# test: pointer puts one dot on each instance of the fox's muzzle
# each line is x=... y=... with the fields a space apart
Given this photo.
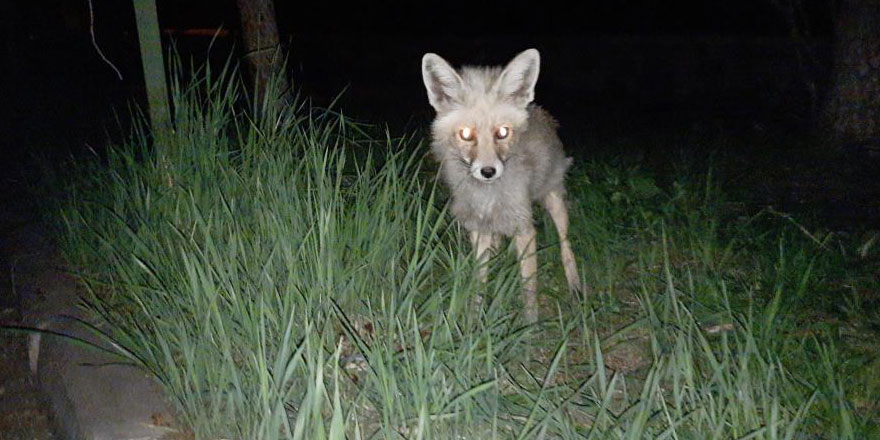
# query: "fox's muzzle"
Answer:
x=487 y=171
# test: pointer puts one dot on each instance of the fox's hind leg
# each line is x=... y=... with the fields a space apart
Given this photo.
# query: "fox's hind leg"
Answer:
x=528 y=268
x=556 y=207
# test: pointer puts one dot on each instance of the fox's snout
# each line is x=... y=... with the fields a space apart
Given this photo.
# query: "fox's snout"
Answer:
x=487 y=171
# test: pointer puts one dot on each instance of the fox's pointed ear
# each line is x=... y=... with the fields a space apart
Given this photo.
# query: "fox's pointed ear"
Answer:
x=441 y=80
x=517 y=81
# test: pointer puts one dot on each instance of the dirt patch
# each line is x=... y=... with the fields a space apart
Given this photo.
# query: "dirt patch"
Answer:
x=24 y=414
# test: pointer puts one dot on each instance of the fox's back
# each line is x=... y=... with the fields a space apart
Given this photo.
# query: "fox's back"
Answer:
x=545 y=157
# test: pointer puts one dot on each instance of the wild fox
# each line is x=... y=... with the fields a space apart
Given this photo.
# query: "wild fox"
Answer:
x=498 y=154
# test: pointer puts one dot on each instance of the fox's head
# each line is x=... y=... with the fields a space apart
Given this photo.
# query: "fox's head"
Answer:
x=480 y=110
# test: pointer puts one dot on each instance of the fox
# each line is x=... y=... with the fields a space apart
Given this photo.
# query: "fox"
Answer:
x=499 y=154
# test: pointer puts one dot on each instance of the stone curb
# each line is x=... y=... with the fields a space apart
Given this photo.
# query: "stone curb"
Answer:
x=92 y=395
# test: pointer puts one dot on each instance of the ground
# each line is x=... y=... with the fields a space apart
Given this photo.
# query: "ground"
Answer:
x=23 y=413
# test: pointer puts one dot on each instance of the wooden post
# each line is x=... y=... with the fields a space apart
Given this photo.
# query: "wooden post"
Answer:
x=153 y=62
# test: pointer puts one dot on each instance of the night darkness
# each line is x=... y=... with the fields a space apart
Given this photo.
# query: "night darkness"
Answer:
x=601 y=59
x=665 y=101
x=609 y=69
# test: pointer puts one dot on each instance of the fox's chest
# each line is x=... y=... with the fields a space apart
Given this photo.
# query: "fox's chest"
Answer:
x=492 y=208
x=485 y=210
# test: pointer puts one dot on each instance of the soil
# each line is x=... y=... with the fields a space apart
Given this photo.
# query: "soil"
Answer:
x=24 y=413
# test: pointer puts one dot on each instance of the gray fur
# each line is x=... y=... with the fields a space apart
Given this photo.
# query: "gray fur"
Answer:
x=534 y=165
x=499 y=153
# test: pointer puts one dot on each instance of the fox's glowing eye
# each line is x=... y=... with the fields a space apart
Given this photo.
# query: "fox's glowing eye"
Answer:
x=466 y=134
x=502 y=132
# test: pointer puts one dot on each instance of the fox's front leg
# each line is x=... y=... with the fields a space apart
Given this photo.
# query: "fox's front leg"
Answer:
x=482 y=243
x=528 y=268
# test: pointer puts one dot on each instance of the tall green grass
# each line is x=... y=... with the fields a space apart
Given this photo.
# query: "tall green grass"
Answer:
x=290 y=276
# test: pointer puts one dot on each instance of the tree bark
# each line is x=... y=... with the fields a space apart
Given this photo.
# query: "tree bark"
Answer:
x=853 y=107
x=259 y=33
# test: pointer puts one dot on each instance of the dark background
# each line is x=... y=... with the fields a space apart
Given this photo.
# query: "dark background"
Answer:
x=670 y=79
x=606 y=66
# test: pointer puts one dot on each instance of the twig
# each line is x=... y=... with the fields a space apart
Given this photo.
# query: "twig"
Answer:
x=820 y=243
x=95 y=43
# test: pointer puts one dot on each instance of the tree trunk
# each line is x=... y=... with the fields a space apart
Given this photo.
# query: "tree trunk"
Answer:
x=259 y=33
x=853 y=107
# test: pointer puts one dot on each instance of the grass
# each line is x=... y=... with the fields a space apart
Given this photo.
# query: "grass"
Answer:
x=291 y=276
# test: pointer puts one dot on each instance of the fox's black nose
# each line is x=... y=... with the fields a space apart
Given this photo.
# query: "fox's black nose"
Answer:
x=487 y=172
